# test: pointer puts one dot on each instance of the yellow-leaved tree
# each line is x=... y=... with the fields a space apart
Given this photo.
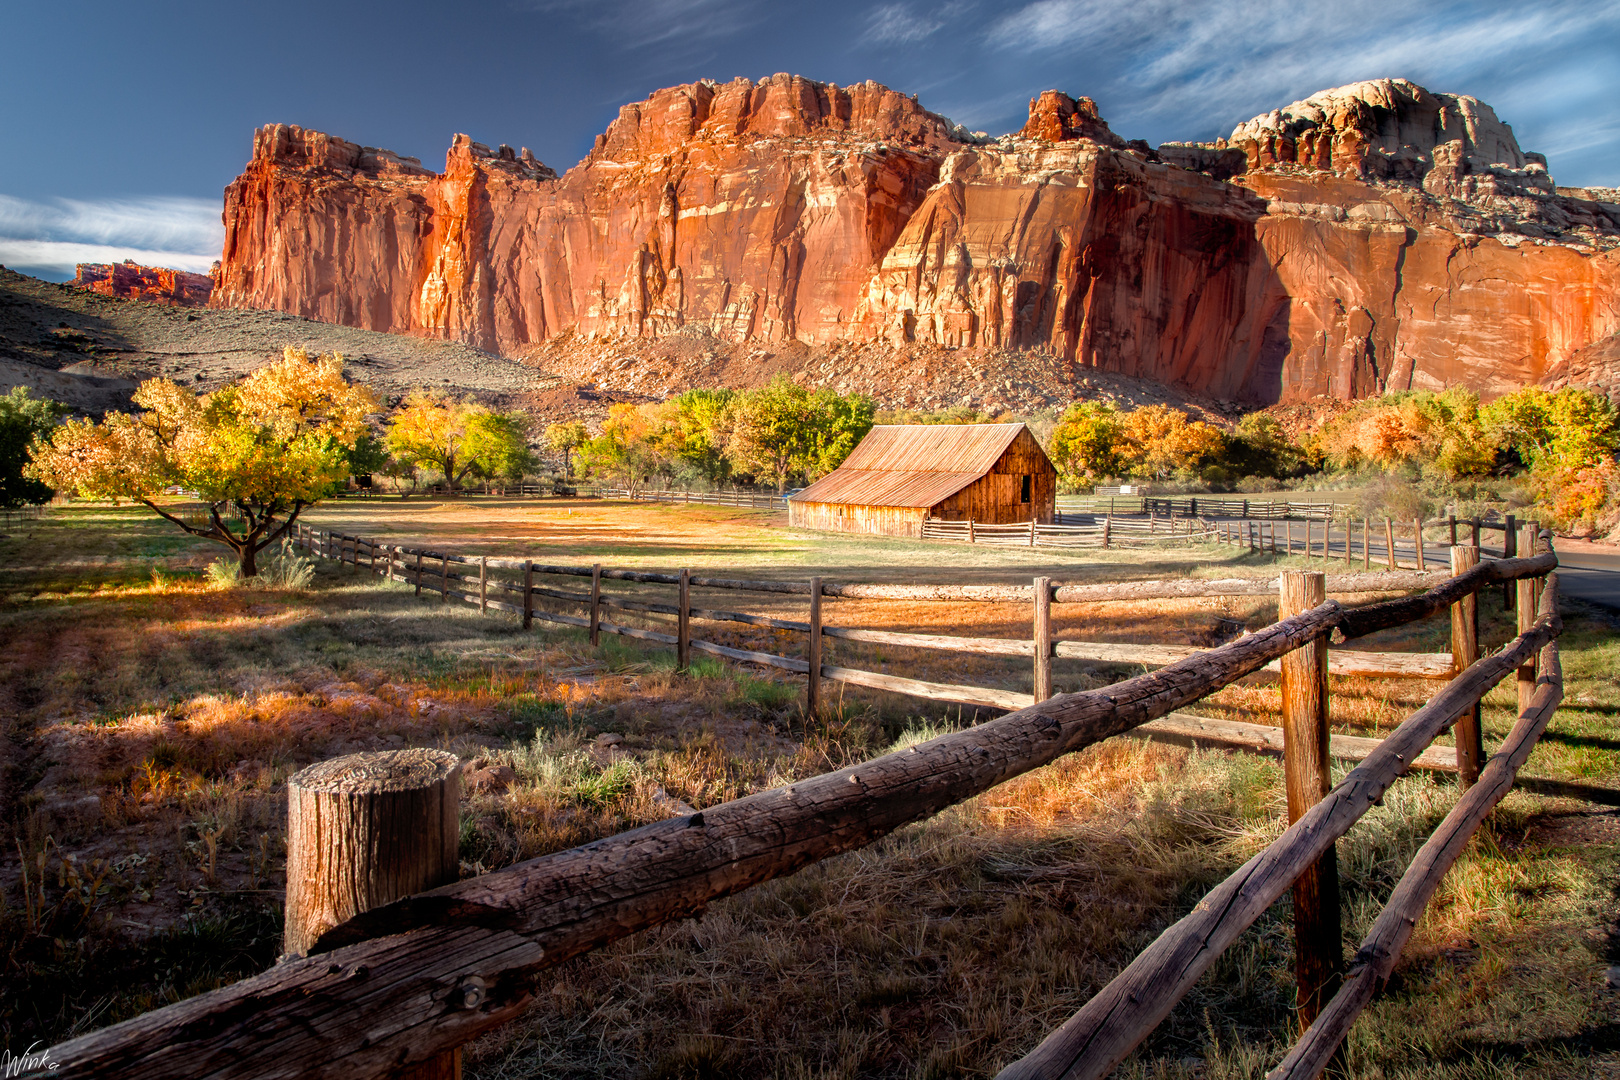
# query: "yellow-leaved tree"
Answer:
x=258 y=452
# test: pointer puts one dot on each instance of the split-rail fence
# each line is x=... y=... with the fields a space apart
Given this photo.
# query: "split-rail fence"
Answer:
x=406 y=982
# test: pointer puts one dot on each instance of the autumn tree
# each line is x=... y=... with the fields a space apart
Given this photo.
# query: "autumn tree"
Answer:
x=23 y=418
x=1572 y=428
x=784 y=431
x=1086 y=442
x=624 y=451
x=1157 y=441
x=458 y=437
x=563 y=438
x=258 y=452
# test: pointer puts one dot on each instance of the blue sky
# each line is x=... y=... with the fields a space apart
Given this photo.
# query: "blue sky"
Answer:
x=125 y=120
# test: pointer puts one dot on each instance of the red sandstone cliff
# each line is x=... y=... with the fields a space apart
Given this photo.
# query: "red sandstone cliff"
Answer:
x=1368 y=238
x=156 y=284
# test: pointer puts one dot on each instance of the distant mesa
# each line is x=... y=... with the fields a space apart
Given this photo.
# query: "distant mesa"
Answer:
x=1368 y=238
x=155 y=284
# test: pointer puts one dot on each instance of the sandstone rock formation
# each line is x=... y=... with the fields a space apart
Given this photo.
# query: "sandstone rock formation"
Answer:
x=157 y=284
x=1367 y=238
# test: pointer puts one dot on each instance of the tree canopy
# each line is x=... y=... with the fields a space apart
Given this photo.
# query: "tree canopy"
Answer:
x=23 y=418
x=257 y=452
x=458 y=437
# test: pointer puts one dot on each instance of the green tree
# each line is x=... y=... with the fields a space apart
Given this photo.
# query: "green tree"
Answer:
x=258 y=452
x=1086 y=442
x=23 y=418
x=431 y=430
x=563 y=438
x=624 y=452
x=368 y=455
x=1572 y=428
x=497 y=446
x=785 y=432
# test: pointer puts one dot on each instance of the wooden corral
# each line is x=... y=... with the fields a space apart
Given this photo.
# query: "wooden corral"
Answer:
x=903 y=474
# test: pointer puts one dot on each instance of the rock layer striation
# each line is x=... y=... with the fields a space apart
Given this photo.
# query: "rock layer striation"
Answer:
x=157 y=284
x=1368 y=238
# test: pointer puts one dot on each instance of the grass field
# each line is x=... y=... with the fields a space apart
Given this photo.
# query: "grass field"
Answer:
x=151 y=722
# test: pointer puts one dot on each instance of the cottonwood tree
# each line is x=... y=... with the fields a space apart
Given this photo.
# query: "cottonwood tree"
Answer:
x=785 y=431
x=23 y=418
x=458 y=437
x=258 y=452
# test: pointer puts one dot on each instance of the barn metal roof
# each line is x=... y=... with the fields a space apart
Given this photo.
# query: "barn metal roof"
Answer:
x=914 y=465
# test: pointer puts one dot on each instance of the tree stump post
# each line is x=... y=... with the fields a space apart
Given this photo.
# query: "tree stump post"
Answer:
x=596 y=603
x=683 y=623
x=1464 y=651
x=366 y=830
x=1043 y=638
x=1318 y=937
x=483 y=584
x=812 y=689
x=1529 y=601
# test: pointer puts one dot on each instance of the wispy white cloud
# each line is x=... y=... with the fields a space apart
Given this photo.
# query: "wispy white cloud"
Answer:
x=898 y=24
x=52 y=237
x=641 y=23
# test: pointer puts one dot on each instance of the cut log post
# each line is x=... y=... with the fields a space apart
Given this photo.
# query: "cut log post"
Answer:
x=418 y=573
x=1510 y=548
x=1528 y=596
x=364 y=831
x=596 y=603
x=1417 y=542
x=1389 y=542
x=1464 y=651
x=444 y=578
x=1366 y=545
x=683 y=623
x=483 y=584
x=812 y=689
x=528 y=595
x=1318 y=944
x=1043 y=638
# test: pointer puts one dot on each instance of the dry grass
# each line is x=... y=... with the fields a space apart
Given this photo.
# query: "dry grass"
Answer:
x=152 y=721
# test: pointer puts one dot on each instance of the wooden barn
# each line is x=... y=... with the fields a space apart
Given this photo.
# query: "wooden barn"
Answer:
x=902 y=474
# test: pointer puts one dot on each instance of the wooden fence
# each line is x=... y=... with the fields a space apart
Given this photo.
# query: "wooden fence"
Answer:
x=755 y=500
x=1278 y=538
x=1072 y=530
x=402 y=983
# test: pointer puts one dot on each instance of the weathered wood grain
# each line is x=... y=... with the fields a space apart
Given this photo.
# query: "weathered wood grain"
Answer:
x=1464 y=651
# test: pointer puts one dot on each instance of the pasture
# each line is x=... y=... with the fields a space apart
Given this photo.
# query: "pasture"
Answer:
x=152 y=721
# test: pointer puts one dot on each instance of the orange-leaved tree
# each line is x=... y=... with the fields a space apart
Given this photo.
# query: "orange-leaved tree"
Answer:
x=258 y=452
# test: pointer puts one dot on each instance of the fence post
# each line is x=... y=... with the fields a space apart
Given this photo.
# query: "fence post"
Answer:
x=1032 y=532
x=1349 y=534
x=1366 y=543
x=1510 y=548
x=1453 y=530
x=596 y=603
x=528 y=594
x=1318 y=944
x=371 y=550
x=418 y=571
x=1389 y=541
x=1108 y=525
x=1043 y=638
x=483 y=584
x=683 y=624
x=1417 y=544
x=970 y=531
x=812 y=686
x=444 y=577
x=1464 y=651
x=1529 y=600
x=1475 y=523
x=366 y=830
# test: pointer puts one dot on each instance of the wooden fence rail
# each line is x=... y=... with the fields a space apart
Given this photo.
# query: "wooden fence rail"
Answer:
x=401 y=983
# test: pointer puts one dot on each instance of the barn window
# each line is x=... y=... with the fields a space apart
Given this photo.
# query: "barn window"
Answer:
x=1024 y=496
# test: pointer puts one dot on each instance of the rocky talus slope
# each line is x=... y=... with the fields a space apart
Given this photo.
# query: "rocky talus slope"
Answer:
x=1376 y=236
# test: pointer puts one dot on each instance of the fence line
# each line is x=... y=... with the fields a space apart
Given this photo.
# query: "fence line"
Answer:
x=401 y=983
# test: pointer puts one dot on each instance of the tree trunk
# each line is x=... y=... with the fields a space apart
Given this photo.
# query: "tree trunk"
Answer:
x=249 y=560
